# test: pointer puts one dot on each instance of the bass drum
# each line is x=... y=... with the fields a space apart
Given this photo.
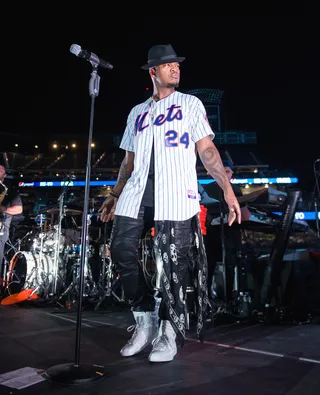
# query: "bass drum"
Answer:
x=25 y=272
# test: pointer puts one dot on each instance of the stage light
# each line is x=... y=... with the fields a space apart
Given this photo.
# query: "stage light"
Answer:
x=54 y=146
x=74 y=145
x=16 y=145
x=36 y=146
x=93 y=145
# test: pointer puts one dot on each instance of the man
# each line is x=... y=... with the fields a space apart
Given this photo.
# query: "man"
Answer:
x=157 y=185
x=10 y=205
x=232 y=236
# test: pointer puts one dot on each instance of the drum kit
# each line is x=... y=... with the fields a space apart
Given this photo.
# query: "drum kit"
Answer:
x=45 y=263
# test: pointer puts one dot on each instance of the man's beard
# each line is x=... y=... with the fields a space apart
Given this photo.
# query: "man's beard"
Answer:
x=173 y=85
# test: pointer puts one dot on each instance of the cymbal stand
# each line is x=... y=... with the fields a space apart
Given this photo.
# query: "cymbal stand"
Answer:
x=104 y=255
x=39 y=279
x=58 y=236
x=108 y=282
x=73 y=287
x=41 y=239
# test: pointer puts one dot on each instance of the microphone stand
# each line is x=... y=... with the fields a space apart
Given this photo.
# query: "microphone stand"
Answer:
x=76 y=373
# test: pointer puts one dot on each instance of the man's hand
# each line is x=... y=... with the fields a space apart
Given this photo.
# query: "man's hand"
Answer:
x=234 y=207
x=108 y=208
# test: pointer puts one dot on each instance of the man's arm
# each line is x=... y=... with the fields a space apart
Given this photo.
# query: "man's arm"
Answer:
x=211 y=160
x=109 y=205
x=14 y=210
x=14 y=206
x=125 y=171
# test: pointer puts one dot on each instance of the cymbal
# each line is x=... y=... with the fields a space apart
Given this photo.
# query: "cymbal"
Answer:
x=66 y=211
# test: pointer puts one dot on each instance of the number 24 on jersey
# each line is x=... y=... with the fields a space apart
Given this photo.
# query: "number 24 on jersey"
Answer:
x=172 y=139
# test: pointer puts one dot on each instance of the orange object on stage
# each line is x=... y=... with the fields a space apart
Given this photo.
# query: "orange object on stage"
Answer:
x=26 y=294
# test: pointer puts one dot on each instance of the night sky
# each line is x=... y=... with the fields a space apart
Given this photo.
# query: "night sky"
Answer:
x=267 y=66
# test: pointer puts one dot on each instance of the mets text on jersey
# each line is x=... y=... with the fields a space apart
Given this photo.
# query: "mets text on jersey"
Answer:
x=160 y=120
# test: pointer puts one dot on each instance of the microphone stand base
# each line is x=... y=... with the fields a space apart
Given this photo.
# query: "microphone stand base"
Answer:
x=71 y=374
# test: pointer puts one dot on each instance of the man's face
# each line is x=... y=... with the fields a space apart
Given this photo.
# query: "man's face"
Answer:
x=168 y=75
x=2 y=173
x=229 y=172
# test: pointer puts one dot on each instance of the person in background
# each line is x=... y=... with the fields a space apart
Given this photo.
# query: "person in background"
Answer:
x=10 y=206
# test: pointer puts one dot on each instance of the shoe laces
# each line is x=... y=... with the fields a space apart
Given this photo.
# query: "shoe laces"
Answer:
x=161 y=341
x=131 y=327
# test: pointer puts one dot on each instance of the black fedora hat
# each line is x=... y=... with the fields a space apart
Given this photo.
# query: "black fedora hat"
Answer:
x=160 y=54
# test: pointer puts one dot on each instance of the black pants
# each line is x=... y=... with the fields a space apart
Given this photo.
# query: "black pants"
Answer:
x=124 y=247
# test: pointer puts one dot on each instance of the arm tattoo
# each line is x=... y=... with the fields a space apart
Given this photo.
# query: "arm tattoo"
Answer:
x=124 y=174
x=211 y=160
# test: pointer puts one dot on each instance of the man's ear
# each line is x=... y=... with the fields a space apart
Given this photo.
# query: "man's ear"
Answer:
x=152 y=72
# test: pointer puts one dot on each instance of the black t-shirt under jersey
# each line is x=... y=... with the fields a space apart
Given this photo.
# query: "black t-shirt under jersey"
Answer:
x=148 y=197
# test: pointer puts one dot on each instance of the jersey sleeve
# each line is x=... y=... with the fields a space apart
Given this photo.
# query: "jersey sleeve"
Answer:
x=127 y=142
x=199 y=123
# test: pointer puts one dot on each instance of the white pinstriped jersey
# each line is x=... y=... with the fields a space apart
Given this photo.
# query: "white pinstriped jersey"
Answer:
x=174 y=124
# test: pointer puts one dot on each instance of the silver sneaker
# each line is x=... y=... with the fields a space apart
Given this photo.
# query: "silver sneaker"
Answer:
x=164 y=345
x=145 y=330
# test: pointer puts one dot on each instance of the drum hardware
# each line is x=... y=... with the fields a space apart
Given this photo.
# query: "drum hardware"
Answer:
x=62 y=214
x=41 y=239
x=26 y=272
x=3 y=193
x=110 y=286
x=109 y=281
x=5 y=266
x=44 y=277
x=72 y=288
x=9 y=248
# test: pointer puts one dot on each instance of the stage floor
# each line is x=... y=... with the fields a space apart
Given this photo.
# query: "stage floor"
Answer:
x=235 y=358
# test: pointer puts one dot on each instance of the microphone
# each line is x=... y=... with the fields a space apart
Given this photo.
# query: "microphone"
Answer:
x=90 y=56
